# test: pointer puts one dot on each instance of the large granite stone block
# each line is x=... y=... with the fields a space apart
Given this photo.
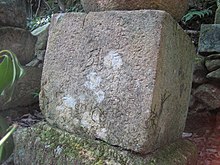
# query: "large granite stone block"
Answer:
x=209 y=40
x=120 y=76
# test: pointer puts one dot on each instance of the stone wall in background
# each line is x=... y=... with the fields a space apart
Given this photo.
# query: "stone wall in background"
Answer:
x=176 y=8
x=16 y=38
x=206 y=81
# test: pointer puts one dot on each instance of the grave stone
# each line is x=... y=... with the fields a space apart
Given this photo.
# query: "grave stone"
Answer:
x=120 y=76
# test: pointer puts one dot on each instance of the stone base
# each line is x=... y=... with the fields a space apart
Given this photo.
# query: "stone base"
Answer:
x=43 y=144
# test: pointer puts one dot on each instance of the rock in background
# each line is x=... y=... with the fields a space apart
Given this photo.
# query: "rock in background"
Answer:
x=206 y=81
x=12 y=13
x=19 y=41
x=16 y=38
x=176 y=8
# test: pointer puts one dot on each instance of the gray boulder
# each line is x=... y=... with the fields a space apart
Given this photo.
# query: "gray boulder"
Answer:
x=13 y=13
x=212 y=62
x=214 y=75
x=209 y=39
x=19 y=41
x=209 y=95
x=199 y=71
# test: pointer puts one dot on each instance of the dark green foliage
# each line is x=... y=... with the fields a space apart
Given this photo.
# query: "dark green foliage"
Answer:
x=196 y=13
x=42 y=14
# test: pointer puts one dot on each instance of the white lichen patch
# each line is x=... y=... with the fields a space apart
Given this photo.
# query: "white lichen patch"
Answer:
x=82 y=98
x=94 y=81
x=86 y=120
x=101 y=133
x=69 y=101
x=113 y=60
x=93 y=84
x=95 y=117
x=75 y=121
x=100 y=95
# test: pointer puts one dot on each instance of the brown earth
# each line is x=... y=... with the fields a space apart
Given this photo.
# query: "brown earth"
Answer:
x=205 y=129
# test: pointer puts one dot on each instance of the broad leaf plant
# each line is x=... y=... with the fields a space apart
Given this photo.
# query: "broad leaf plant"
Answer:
x=10 y=71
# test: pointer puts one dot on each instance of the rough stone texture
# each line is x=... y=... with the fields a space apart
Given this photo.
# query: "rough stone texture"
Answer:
x=199 y=71
x=197 y=105
x=214 y=75
x=212 y=62
x=176 y=8
x=209 y=39
x=217 y=16
x=40 y=54
x=212 y=65
x=120 y=76
x=19 y=41
x=209 y=95
x=42 y=35
x=13 y=13
x=34 y=63
x=213 y=57
x=25 y=88
x=45 y=145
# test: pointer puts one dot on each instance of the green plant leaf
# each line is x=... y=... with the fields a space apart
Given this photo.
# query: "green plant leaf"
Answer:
x=10 y=71
x=195 y=13
x=6 y=140
x=6 y=73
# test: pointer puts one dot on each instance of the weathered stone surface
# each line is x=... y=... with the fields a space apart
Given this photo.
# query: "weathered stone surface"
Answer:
x=212 y=65
x=45 y=145
x=197 y=105
x=209 y=95
x=34 y=63
x=209 y=38
x=213 y=57
x=19 y=41
x=42 y=35
x=25 y=88
x=40 y=54
x=120 y=76
x=215 y=75
x=212 y=62
x=199 y=72
x=176 y=8
x=13 y=13
x=217 y=16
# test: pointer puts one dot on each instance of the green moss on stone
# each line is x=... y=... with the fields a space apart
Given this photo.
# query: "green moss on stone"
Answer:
x=47 y=145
